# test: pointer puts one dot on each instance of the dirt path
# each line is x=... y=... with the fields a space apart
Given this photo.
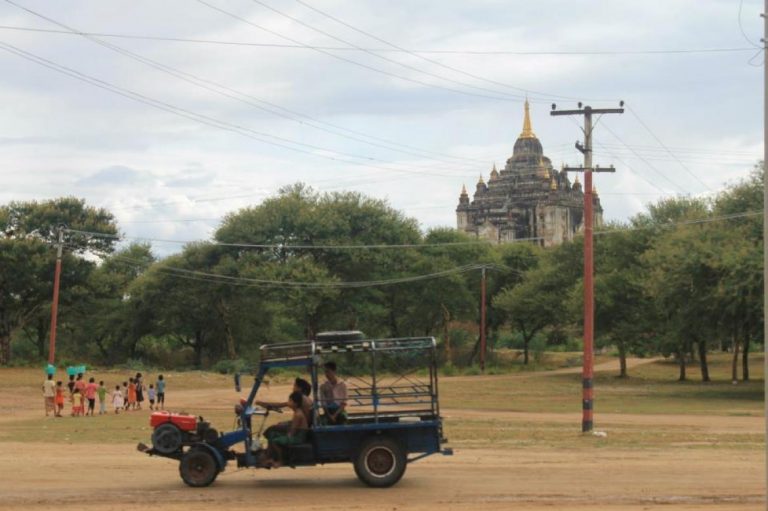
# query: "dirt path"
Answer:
x=116 y=477
x=611 y=365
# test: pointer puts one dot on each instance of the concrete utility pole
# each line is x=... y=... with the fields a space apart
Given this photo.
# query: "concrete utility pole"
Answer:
x=589 y=299
x=55 y=303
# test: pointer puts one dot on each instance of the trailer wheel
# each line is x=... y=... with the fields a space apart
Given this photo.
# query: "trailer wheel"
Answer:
x=198 y=468
x=166 y=438
x=380 y=462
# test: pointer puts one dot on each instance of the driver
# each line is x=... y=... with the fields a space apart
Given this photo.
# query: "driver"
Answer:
x=304 y=388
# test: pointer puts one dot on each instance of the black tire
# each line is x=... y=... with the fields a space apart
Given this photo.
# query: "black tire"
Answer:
x=198 y=468
x=380 y=462
x=167 y=438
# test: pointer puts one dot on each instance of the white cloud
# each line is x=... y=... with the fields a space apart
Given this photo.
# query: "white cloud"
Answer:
x=59 y=134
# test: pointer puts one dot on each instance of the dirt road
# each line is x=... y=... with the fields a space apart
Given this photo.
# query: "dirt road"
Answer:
x=115 y=477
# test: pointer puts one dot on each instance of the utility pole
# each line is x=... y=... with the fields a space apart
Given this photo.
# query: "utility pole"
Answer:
x=55 y=303
x=587 y=372
x=765 y=229
x=482 y=319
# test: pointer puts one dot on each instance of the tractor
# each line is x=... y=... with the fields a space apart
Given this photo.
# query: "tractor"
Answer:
x=393 y=413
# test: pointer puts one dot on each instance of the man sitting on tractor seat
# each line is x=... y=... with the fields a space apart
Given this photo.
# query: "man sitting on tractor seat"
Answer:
x=333 y=396
x=299 y=385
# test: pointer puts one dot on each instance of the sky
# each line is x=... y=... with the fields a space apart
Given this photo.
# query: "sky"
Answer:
x=172 y=135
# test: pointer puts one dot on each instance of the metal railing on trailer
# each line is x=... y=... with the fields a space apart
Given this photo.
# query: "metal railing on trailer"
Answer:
x=390 y=389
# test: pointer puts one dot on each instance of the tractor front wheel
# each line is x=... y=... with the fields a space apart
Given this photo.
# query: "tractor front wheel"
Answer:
x=198 y=468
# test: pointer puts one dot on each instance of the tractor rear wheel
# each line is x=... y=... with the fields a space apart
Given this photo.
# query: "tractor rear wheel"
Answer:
x=198 y=468
x=380 y=462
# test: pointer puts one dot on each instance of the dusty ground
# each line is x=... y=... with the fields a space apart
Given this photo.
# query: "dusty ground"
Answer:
x=543 y=474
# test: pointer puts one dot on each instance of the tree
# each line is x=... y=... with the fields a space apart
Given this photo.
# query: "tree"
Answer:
x=27 y=257
x=539 y=300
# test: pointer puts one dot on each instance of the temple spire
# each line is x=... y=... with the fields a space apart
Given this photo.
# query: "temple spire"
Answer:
x=527 y=130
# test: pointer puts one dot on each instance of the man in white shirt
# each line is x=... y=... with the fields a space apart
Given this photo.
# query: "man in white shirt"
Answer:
x=333 y=396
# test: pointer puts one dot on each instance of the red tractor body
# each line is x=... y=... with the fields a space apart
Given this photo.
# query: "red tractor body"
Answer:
x=182 y=421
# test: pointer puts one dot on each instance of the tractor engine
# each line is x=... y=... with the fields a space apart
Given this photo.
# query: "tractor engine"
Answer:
x=173 y=431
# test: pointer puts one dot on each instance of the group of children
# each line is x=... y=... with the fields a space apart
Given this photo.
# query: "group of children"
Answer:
x=82 y=395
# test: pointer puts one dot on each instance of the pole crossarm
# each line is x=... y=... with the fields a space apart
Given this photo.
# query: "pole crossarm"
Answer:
x=584 y=110
x=593 y=169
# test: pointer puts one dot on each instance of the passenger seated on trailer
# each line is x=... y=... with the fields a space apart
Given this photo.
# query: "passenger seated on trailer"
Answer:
x=333 y=396
x=299 y=385
x=297 y=431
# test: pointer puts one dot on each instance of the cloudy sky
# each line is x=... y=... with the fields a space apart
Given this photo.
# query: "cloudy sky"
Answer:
x=170 y=135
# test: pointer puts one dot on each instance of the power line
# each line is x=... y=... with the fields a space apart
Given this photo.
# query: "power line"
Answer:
x=288 y=284
x=233 y=93
x=661 y=143
x=503 y=96
x=391 y=50
x=644 y=160
x=399 y=48
x=207 y=120
x=741 y=28
x=300 y=247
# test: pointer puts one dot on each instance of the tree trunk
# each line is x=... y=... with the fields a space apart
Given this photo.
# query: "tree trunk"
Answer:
x=735 y=361
x=745 y=360
x=41 y=335
x=198 y=347
x=703 y=360
x=5 y=349
x=223 y=311
x=526 y=342
x=681 y=362
x=622 y=359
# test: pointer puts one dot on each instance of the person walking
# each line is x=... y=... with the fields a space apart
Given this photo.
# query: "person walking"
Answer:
x=49 y=395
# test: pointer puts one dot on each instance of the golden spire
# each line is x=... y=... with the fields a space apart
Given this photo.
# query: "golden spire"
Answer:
x=553 y=184
x=527 y=130
x=494 y=166
x=480 y=181
x=463 y=189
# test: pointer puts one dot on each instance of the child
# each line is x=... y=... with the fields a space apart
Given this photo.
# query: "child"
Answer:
x=59 y=398
x=125 y=394
x=90 y=394
x=160 y=392
x=117 y=399
x=102 y=391
x=77 y=403
x=151 y=396
x=131 y=393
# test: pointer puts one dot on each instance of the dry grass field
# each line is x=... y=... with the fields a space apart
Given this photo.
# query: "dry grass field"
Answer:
x=669 y=445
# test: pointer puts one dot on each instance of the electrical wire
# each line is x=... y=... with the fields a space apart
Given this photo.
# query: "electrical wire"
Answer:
x=644 y=160
x=210 y=121
x=389 y=50
x=741 y=28
x=502 y=96
x=661 y=143
x=300 y=247
x=392 y=45
x=232 y=93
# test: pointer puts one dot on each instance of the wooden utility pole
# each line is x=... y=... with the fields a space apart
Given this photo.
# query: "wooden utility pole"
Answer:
x=587 y=401
x=482 y=320
x=765 y=228
x=55 y=303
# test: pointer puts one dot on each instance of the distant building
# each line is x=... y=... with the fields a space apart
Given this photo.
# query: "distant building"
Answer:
x=527 y=200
